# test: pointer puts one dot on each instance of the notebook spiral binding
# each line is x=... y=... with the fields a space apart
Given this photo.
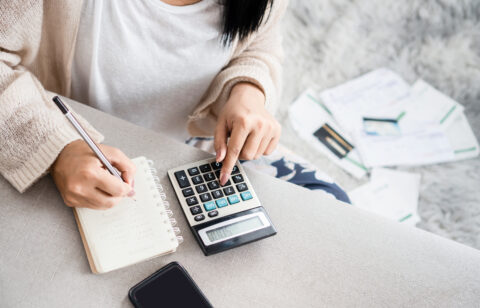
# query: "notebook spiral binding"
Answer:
x=167 y=213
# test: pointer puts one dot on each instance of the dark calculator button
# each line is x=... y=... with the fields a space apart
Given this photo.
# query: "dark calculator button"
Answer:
x=242 y=187
x=193 y=171
x=235 y=170
x=237 y=178
x=205 y=197
x=205 y=168
x=196 y=210
x=213 y=185
x=216 y=165
x=228 y=190
x=199 y=217
x=197 y=179
x=209 y=177
x=217 y=194
x=188 y=192
x=192 y=201
x=213 y=213
x=201 y=188
x=182 y=179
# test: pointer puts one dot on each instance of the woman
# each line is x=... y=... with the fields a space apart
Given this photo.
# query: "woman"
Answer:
x=151 y=62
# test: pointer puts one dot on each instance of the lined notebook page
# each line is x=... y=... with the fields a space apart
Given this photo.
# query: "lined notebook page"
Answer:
x=132 y=231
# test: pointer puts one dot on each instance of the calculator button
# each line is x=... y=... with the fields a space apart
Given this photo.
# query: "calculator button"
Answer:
x=205 y=168
x=188 y=192
x=209 y=177
x=201 y=188
x=242 y=187
x=212 y=213
x=205 y=197
x=182 y=179
x=237 y=178
x=193 y=171
x=196 y=210
x=217 y=194
x=216 y=165
x=228 y=190
x=197 y=179
x=246 y=195
x=213 y=185
x=235 y=170
x=233 y=199
x=199 y=217
x=209 y=206
x=221 y=202
x=192 y=201
x=217 y=173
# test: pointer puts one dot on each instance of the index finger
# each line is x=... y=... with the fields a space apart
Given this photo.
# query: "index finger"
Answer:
x=111 y=185
x=234 y=147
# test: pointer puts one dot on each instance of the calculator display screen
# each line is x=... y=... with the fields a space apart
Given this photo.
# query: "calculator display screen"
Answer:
x=234 y=229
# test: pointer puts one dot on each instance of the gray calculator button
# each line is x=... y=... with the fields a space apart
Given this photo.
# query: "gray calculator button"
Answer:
x=213 y=213
x=213 y=185
x=192 y=201
x=199 y=217
x=237 y=178
x=235 y=170
x=196 y=210
x=182 y=179
x=209 y=177
x=197 y=179
x=201 y=188
x=228 y=190
x=205 y=168
x=242 y=187
x=205 y=197
x=193 y=171
x=187 y=192
x=216 y=165
x=217 y=194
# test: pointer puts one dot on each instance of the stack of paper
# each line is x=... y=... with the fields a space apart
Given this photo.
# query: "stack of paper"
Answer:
x=431 y=126
x=315 y=124
x=391 y=194
x=379 y=120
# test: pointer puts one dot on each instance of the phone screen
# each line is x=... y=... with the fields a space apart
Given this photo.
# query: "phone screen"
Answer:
x=169 y=287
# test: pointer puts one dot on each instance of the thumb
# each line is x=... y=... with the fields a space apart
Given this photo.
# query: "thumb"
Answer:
x=220 y=139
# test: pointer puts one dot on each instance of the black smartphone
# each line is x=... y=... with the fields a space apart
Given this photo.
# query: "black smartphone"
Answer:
x=171 y=286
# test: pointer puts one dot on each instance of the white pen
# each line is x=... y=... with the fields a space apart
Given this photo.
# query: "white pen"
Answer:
x=87 y=138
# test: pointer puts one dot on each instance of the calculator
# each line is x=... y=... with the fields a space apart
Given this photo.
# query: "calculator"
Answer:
x=220 y=217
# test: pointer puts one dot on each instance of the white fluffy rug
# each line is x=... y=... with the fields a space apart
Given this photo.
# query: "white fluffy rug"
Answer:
x=328 y=42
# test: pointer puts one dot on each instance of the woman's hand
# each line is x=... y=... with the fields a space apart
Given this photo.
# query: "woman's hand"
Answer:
x=253 y=131
x=84 y=182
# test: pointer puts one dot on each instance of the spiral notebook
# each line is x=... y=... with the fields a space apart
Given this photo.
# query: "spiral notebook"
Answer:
x=134 y=230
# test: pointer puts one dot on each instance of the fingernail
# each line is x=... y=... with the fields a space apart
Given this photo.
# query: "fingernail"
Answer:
x=217 y=158
x=131 y=193
x=223 y=178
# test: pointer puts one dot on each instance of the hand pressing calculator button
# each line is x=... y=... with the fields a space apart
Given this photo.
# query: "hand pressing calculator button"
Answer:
x=235 y=214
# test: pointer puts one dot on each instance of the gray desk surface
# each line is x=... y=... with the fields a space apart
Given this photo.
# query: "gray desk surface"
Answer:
x=325 y=253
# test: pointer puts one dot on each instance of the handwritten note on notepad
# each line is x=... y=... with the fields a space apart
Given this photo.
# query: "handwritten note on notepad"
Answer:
x=132 y=231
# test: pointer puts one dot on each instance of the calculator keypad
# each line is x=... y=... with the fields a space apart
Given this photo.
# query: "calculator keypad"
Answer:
x=210 y=196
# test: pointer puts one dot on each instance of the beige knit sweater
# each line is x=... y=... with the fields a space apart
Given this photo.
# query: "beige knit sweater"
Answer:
x=37 y=41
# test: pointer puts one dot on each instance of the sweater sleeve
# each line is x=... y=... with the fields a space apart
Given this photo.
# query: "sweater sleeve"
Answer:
x=257 y=60
x=32 y=131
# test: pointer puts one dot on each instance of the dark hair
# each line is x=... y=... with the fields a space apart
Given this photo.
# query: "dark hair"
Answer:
x=242 y=17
